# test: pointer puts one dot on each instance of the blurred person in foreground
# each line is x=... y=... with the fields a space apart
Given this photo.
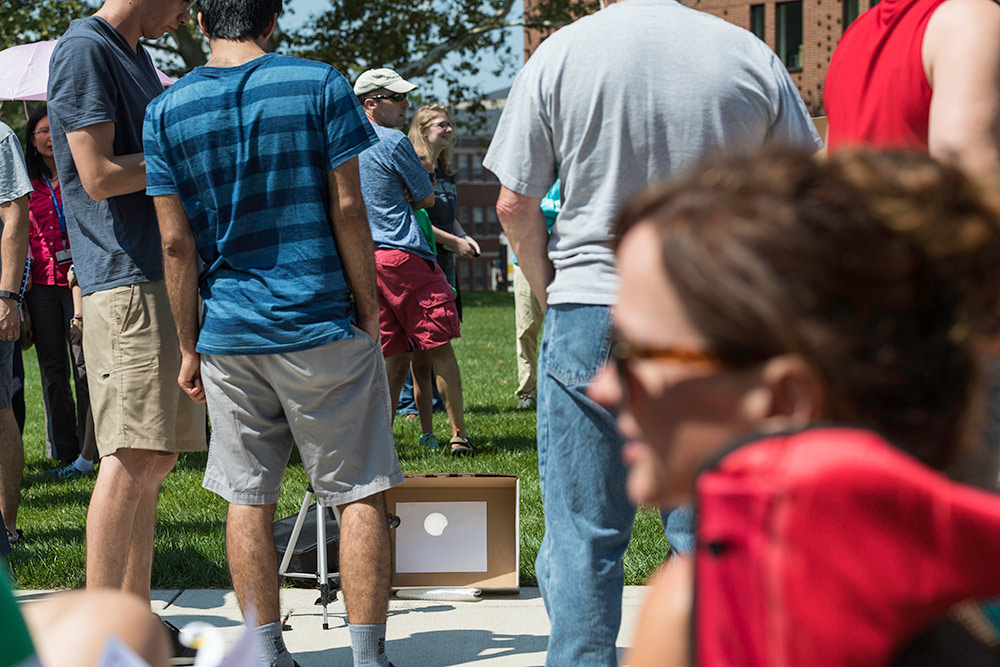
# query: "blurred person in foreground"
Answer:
x=282 y=344
x=799 y=344
x=628 y=96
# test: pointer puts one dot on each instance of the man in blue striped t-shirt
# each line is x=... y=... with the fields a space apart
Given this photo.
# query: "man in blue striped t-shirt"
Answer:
x=252 y=163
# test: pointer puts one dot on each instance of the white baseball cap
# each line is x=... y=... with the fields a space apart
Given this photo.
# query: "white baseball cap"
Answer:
x=384 y=77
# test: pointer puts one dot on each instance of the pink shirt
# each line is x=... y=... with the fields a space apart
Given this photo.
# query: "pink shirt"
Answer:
x=45 y=238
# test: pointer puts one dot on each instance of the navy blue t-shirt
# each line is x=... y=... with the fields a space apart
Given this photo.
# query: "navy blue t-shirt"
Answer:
x=95 y=77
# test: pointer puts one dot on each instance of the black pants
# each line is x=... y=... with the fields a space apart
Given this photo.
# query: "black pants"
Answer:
x=51 y=308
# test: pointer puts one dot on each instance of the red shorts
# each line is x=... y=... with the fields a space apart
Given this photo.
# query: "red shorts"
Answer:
x=416 y=304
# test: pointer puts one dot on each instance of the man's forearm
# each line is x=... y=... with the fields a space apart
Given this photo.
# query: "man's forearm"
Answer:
x=522 y=220
x=353 y=236
x=180 y=269
x=532 y=255
x=13 y=243
x=102 y=173
x=181 y=275
x=123 y=175
x=357 y=254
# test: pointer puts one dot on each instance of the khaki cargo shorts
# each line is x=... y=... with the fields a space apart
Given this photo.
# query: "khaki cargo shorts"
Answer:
x=133 y=359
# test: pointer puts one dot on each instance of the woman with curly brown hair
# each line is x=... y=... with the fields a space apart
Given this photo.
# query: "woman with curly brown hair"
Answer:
x=799 y=351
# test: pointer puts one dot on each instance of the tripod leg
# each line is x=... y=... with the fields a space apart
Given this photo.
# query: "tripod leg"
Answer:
x=296 y=529
x=321 y=571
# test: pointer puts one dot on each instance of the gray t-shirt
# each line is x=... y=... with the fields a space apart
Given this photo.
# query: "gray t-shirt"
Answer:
x=95 y=77
x=14 y=182
x=627 y=97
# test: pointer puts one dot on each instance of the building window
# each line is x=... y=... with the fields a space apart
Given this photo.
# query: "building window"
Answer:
x=492 y=226
x=477 y=167
x=479 y=277
x=463 y=215
x=463 y=167
x=477 y=221
x=852 y=8
x=789 y=41
x=757 y=21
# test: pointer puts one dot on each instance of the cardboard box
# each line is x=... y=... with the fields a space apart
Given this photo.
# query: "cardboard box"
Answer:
x=456 y=530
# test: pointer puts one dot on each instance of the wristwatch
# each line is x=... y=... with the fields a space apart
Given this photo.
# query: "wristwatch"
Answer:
x=14 y=296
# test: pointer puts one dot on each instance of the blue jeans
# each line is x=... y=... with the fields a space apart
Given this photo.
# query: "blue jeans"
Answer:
x=588 y=517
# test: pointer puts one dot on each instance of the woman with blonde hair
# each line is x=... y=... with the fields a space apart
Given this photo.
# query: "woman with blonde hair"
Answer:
x=432 y=135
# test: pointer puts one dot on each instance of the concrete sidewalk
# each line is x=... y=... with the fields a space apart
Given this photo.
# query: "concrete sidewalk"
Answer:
x=499 y=630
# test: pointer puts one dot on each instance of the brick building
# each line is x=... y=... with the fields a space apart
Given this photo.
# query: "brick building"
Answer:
x=478 y=189
x=477 y=197
x=803 y=33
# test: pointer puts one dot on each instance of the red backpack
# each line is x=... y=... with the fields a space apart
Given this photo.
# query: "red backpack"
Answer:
x=829 y=546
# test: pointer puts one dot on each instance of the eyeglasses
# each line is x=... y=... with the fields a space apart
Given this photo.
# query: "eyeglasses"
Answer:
x=395 y=97
x=443 y=124
x=188 y=5
x=44 y=130
x=623 y=353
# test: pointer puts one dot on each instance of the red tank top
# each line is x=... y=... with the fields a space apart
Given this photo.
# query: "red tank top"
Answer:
x=876 y=91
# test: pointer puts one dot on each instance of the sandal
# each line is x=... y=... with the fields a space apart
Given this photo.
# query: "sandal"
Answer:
x=461 y=447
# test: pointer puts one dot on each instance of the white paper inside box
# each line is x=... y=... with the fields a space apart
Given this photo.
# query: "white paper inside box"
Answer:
x=456 y=529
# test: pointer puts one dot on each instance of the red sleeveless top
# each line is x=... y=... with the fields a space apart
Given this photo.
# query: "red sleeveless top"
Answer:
x=876 y=92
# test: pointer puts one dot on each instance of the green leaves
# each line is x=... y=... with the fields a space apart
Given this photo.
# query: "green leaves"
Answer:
x=24 y=21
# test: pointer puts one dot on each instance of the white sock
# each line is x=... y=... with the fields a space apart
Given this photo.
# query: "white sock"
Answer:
x=82 y=464
x=272 y=646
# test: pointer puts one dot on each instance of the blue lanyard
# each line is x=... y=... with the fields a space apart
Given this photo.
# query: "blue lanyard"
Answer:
x=58 y=206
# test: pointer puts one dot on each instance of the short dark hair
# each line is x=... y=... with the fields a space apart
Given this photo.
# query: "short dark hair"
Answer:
x=32 y=158
x=237 y=20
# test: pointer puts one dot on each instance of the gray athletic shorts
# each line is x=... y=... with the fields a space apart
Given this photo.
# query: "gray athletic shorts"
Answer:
x=331 y=400
x=6 y=371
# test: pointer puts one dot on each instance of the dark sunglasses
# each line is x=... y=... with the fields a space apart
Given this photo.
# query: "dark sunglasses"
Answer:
x=623 y=353
x=395 y=97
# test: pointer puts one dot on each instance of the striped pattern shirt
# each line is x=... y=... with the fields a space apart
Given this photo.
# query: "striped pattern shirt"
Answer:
x=247 y=149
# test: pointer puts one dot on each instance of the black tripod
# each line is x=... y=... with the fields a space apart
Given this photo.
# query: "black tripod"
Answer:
x=327 y=593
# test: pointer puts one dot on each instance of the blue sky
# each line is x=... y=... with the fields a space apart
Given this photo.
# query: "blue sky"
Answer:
x=488 y=82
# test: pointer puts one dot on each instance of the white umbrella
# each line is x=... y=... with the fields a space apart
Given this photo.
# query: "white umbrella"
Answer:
x=24 y=71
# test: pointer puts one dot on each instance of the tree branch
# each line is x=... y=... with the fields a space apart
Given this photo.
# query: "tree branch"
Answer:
x=439 y=52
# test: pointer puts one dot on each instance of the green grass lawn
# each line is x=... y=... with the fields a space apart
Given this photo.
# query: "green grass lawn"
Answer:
x=189 y=542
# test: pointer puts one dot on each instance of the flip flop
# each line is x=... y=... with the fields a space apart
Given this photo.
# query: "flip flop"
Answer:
x=461 y=447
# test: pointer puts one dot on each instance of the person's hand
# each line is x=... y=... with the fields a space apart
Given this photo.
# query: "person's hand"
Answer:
x=369 y=324
x=76 y=329
x=189 y=378
x=466 y=247
x=28 y=282
x=408 y=194
x=10 y=320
